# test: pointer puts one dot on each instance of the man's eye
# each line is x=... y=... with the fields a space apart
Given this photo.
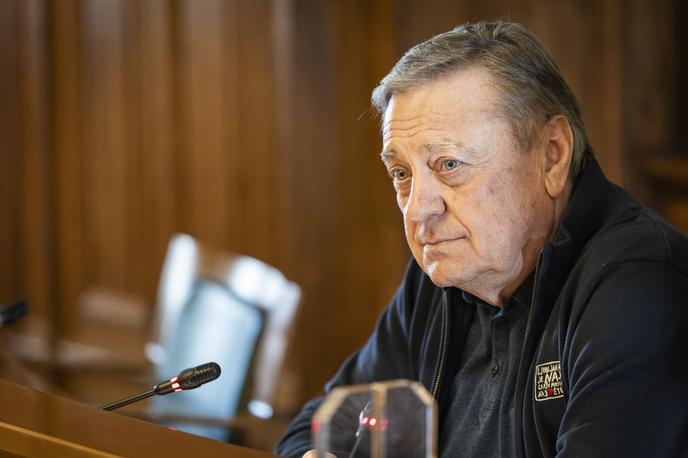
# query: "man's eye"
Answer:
x=450 y=164
x=399 y=174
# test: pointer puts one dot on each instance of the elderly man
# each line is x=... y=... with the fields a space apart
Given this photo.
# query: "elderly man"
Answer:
x=544 y=309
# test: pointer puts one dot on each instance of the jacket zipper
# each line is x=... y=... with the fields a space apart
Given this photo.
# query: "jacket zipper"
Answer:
x=443 y=347
x=520 y=445
x=445 y=328
x=536 y=277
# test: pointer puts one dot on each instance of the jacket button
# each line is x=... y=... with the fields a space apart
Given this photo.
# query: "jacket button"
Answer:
x=495 y=368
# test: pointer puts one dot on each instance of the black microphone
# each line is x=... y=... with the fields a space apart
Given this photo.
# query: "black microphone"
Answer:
x=9 y=313
x=188 y=379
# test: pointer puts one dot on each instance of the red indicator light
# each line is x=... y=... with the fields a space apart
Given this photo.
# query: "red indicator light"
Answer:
x=178 y=389
x=364 y=420
x=175 y=385
x=373 y=422
x=173 y=379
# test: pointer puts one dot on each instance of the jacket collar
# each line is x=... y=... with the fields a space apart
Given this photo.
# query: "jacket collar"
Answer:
x=595 y=203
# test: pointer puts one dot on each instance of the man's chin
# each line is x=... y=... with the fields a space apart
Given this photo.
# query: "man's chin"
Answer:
x=442 y=271
x=438 y=275
x=448 y=275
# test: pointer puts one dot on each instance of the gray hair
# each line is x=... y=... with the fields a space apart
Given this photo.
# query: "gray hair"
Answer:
x=532 y=89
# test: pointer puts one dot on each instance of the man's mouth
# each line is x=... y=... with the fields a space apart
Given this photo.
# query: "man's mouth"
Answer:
x=437 y=242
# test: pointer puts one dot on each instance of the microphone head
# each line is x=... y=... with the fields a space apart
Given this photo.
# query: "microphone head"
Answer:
x=9 y=313
x=194 y=377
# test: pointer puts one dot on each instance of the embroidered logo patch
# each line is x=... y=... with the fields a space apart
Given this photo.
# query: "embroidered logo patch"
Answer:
x=548 y=384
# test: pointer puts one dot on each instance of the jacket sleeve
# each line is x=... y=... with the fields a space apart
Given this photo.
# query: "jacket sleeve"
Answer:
x=385 y=356
x=627 y=375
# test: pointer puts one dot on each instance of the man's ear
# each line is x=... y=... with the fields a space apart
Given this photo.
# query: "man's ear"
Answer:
x=557 y=154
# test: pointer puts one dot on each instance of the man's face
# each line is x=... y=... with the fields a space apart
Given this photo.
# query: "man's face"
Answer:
x=474 y=203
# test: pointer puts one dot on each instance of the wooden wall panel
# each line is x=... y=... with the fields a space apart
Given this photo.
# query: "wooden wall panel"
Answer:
x=11 y=267
x=69 y=173
x=208 y=175
x=253 y=98
x=156 y=102
x=36 y=180
x=106 y=152
x=310 y=168
x=25 y=182
x=651 y=124
x=601 y=98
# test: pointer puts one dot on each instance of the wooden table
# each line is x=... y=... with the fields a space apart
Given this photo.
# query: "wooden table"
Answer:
x=36 y=424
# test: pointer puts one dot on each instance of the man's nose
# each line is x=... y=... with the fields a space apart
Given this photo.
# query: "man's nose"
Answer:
x=425 y=200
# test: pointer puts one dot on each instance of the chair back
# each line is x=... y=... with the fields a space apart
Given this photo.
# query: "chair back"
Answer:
x=231 y=309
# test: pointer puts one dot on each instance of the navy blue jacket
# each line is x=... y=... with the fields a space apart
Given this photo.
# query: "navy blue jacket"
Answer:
x=603 y=371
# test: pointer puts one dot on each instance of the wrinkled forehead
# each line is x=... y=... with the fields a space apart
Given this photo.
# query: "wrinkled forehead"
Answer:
x=455 y=97
x=452 y=100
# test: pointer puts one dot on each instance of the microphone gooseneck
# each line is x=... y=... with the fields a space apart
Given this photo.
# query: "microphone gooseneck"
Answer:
x=188 y=379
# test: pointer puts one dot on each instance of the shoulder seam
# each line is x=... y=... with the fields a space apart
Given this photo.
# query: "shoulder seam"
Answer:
x=667 y=248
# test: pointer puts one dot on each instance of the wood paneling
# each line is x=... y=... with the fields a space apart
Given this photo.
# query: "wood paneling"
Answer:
x=36 y=179
x=154 y=77
x=69 y=194
x=106 y=153
x=11 y=267
x=246 y=123
x=207 y=181
x=26 y=241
